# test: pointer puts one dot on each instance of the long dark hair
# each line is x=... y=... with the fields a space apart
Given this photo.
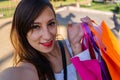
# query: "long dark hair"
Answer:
x=26 y=12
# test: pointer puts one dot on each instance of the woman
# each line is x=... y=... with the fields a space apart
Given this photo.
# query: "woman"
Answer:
x=37 y=54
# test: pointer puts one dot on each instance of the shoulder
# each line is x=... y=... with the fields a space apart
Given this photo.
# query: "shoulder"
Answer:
x=25 y=71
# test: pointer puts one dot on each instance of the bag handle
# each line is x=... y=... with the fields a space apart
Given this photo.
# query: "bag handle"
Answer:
x=98 y=36
x=87 y=38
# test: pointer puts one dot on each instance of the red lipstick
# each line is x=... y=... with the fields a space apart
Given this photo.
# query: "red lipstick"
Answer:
x=47 y=44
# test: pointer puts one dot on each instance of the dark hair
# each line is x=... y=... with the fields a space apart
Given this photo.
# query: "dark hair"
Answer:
x=26 y=12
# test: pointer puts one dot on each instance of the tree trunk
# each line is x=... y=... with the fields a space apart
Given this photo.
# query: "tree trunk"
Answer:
x=77 y=3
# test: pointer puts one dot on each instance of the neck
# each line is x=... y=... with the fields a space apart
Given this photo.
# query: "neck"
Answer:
x=55 y=59
x=55 y=53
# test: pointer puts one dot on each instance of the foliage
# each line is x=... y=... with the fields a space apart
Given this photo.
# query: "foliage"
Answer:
x=61 y=3
x=7 y=7
x=7 y=12
x=100 y=6
x=7 y=3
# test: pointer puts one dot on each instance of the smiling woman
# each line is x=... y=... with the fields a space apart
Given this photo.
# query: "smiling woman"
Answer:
x=42 y=33
x=38 y=55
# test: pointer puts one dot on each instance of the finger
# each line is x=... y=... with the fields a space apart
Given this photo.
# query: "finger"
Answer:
x=81 y=31
x=69 y=24
x=69 y=27
x=86 y=19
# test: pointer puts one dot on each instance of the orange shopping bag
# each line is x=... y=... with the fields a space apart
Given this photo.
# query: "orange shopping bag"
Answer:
x=112 y=55
x=110 y=51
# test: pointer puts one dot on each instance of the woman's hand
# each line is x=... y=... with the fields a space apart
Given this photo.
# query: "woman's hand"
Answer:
x=74 y=35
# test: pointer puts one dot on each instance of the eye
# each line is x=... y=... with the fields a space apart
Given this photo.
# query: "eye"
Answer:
x=35 y=27
x=52 y=24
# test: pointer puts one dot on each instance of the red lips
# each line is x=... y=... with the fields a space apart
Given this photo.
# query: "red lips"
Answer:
x=47 y=44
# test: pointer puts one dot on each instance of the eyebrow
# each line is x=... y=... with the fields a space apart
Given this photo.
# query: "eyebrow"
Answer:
x=48 y=21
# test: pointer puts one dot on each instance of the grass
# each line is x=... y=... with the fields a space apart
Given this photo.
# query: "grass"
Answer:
x=57 y=4
x=62 y=3
x=95 y=5
x=101 y=6
x=7 y=7
x=8 y=3
x=7 y=12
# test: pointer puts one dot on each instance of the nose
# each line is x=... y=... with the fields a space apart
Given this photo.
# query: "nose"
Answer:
x=46 y=34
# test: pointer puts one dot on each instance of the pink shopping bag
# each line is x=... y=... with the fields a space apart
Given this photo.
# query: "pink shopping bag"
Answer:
x=88 y=69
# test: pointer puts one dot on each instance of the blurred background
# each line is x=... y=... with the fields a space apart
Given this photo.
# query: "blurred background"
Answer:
x=66 y=10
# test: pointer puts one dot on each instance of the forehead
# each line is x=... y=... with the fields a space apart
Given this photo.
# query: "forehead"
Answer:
x=46 y=14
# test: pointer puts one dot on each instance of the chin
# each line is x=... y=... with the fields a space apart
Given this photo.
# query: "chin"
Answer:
x=48 y=50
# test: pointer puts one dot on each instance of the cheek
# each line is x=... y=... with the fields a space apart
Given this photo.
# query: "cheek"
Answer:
x=32 y=36
x=53 y=32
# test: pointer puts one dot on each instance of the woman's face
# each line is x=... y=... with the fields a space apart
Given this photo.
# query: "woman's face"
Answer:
x=43 y=31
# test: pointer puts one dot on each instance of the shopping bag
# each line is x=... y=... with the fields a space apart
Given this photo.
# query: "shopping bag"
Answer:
x=90 y=68
x=112 y=54
x=110 y=51
x=91 y=37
